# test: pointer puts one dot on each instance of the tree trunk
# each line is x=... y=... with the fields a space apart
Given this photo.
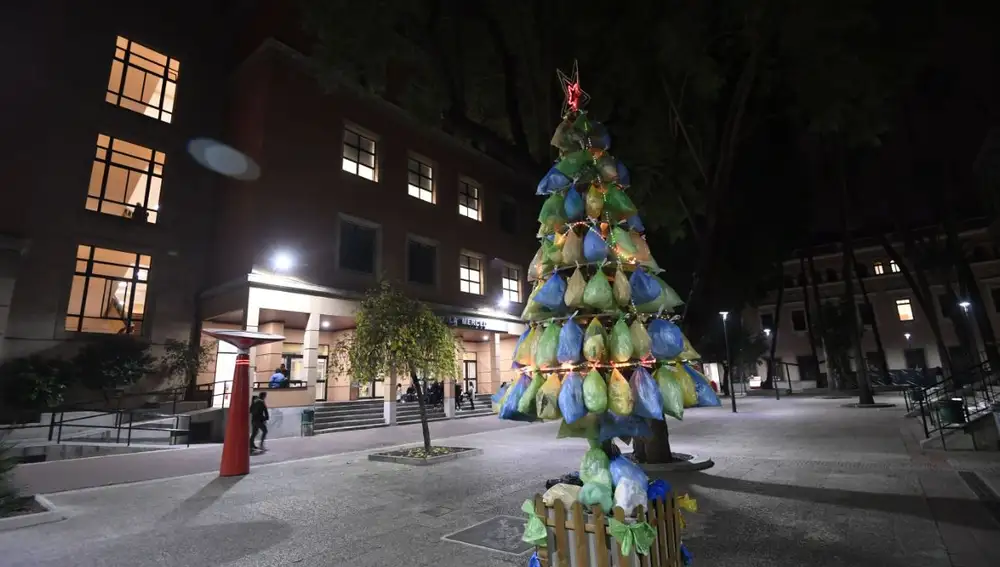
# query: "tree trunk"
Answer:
x=968 y=280
x=883 y=363
x=865 y=395
x=769 y=382
x=810 y=323
x=814 y=278
x=656 y=449
x=422 y=404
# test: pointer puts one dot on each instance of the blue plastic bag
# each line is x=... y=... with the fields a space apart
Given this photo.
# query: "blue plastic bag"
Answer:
x=658 y=489
x=495 y=398
x=573 y=205
x=595 y=249
x=624 y=178
x=644 y=287
x=635 y=223
x=534 y=561
x=706 y=396
x=666 y=339
x=553 y=181
x=621 y=468
x=646 y=394
x=599 y=137
x=552 y=292
x=613 y=425
x=571 y=398
x=509 y=409
x=520 y=340
x=570 y=343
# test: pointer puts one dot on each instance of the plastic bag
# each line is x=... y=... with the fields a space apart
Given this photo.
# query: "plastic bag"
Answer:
x=689 y=353
x=671 y=393
x=690 y=395
x=565 y=493
x=658 y=490
x=621 y=342
x=640 y=340
x=526 y=406
x=595 y=342
x=585 y=428
x=618 y=205
x=642 y=253
x=624 y=179
x=572 y=249
x=526 y=353
x=499 y=398
x=606 y=168
x=539 y=266
x=597 y=495
x=646 y=394
x=629 y=427
x=551 y=293
x=595 y=468
x=629 y=495
x=706 y=395
x=553 y=180
x=595 y=249
x=534 y=311
x=595 y=392
x=567 y=138
x=573 y=205
x=570 y=343
x=635 y=223
x=575 y=287
x=594 y=202
x=670 y=297
x=666 y=338
x=509 y=408
x=551 y=254
x=553 y=215
x=644 y=287
x=599 y=137
x=621 y=468
x=547 y=399
x=517 y=347
x=571 y=398
x=548 y=346
x=624 y=249
x=620 y=399
x=573 y=163
x=620 y=288
x=598 y=294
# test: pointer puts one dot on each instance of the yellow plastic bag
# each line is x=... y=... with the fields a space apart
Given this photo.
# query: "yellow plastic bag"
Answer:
x=621 y=342
x=678 y=374
x=688 y=353
x=641 y=343
x=595 y=342
x=620 y=399
x=572 y=249
x=621 y=288
x=642 y=253
x=565 y=493
x=525 y=355
x=585 y=428
x=574 y=290
x=594 y=202
x=547 y=399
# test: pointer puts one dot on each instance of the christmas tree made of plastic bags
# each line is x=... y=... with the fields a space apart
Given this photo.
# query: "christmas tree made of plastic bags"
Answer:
x=601 y=352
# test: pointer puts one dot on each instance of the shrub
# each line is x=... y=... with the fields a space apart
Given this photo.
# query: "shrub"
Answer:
x=34 y=382
x=113 y=361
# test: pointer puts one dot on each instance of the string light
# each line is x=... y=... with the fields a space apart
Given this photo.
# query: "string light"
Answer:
x=570 y=367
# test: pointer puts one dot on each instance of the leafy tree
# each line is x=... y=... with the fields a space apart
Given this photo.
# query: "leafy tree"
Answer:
x=183 y=360
x=9 y=496
x=33 y=383
x=396 y=335
x=113 y=361
x=747 y=350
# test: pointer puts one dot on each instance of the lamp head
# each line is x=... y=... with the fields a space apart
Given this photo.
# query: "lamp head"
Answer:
x=723 y=314
x=282 y=261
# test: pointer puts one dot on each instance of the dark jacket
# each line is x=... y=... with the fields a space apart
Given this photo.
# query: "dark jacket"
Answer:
x=258 y=411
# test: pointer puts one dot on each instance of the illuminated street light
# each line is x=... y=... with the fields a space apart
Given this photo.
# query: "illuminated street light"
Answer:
x=729 y=361
x=767 y=333
x=964 y=305
x=282 y=261
x=503 y=302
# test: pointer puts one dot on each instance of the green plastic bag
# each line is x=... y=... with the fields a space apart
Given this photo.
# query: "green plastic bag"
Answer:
x=552 y=216
x=548 y=346
x=641 y=343
x=525 y=355
x=584 y=428
x=619 y=206
x=594 y=202
x=621 y=342
x=572 y=249
x=689 y=395
x=547 y=398
x=595 y=342
x=620 y=400
x=526 y=405
x=688 y=353
x=621 y=288
x=538 y=267
x=575 y=286
x=670 y=393
x=595 y=392
x=623 y=246
x=534 y=311
x=551 y=254
x=571 y=164
x=596 y=495
x=671 y=298
x=595 y=468
x=598 y=294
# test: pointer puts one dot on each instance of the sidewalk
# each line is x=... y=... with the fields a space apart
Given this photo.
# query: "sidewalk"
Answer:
x=73 y=474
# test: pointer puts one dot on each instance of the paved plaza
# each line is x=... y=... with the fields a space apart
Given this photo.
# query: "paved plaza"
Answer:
x=801 y=481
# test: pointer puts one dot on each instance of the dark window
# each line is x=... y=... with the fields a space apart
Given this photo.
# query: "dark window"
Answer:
x=799 y=320
x=874 y=361
x=947 y=302
x=808 y=368
x=767 y=321
x=801 y=280
x=995 y=293
x=789 y=281
x=508 y=216
x=357 y=247
x=866 y=314
x=979 y=254
x=422 y=262
x=831 y=275
x=915 y=358
x=861 y=269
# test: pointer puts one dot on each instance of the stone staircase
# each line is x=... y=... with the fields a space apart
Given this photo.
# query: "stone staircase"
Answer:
x=368 y=414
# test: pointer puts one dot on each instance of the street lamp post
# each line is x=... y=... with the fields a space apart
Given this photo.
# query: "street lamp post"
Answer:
x=729 y=361
x=973 y=348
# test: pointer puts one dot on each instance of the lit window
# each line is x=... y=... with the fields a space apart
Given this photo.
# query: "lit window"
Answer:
x=893 y=267
x=420 y=181
x=125 y=180
x=359 y=155
x=904 y=309
x=109 y=291
x=470 y=274
x=143 y=80
x=511 y=283
x=468 y=200
x=879 y=268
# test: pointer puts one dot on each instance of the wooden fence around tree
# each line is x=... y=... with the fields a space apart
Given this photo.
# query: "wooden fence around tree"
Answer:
x=581 y=539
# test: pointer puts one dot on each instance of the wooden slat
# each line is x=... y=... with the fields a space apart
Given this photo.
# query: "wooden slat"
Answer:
x=675 y=516
x=601 y=537
x=543 y=552
x=562 y=541
x=663 y=521
x=640 y=515
x=582 y=551
x=620 y=516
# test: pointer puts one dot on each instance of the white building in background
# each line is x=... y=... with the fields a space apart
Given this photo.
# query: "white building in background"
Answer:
x=903 y=326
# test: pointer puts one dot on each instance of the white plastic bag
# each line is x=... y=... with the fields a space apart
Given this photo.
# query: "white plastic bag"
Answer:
x=629 y=495
x=567 y=493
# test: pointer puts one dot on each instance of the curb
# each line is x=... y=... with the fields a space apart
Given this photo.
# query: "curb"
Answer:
x=695 y=463
x=51 y=514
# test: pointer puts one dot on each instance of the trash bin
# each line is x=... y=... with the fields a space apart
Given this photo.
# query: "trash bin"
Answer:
x=308 y=419
x=952 y=411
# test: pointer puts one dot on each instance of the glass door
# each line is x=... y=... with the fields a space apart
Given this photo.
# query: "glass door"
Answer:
x=321 y=379
x=469 y=376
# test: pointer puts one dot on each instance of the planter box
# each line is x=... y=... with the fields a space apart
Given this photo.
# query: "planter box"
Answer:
x=27 y=520
x=402 y=459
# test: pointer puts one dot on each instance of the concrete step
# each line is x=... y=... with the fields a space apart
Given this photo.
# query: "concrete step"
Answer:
x=378 y=419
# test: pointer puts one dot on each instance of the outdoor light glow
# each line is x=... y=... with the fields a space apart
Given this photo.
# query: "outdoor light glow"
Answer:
x=503 y=302
x=964 y=305
x=325 y=324
x=767 y=332
x=907 y=335
x=724 y=314
x=282 y=261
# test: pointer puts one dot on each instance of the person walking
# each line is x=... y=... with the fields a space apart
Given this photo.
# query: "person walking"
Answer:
x=258 y=420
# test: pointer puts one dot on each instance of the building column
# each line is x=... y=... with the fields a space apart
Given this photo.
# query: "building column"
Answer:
x=310 y=351
x=449 y=397
x=495 y=376
x=251 y=321
x=389 y=399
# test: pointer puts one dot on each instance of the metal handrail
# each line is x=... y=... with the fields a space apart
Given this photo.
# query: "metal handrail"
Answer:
x=968 y=395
